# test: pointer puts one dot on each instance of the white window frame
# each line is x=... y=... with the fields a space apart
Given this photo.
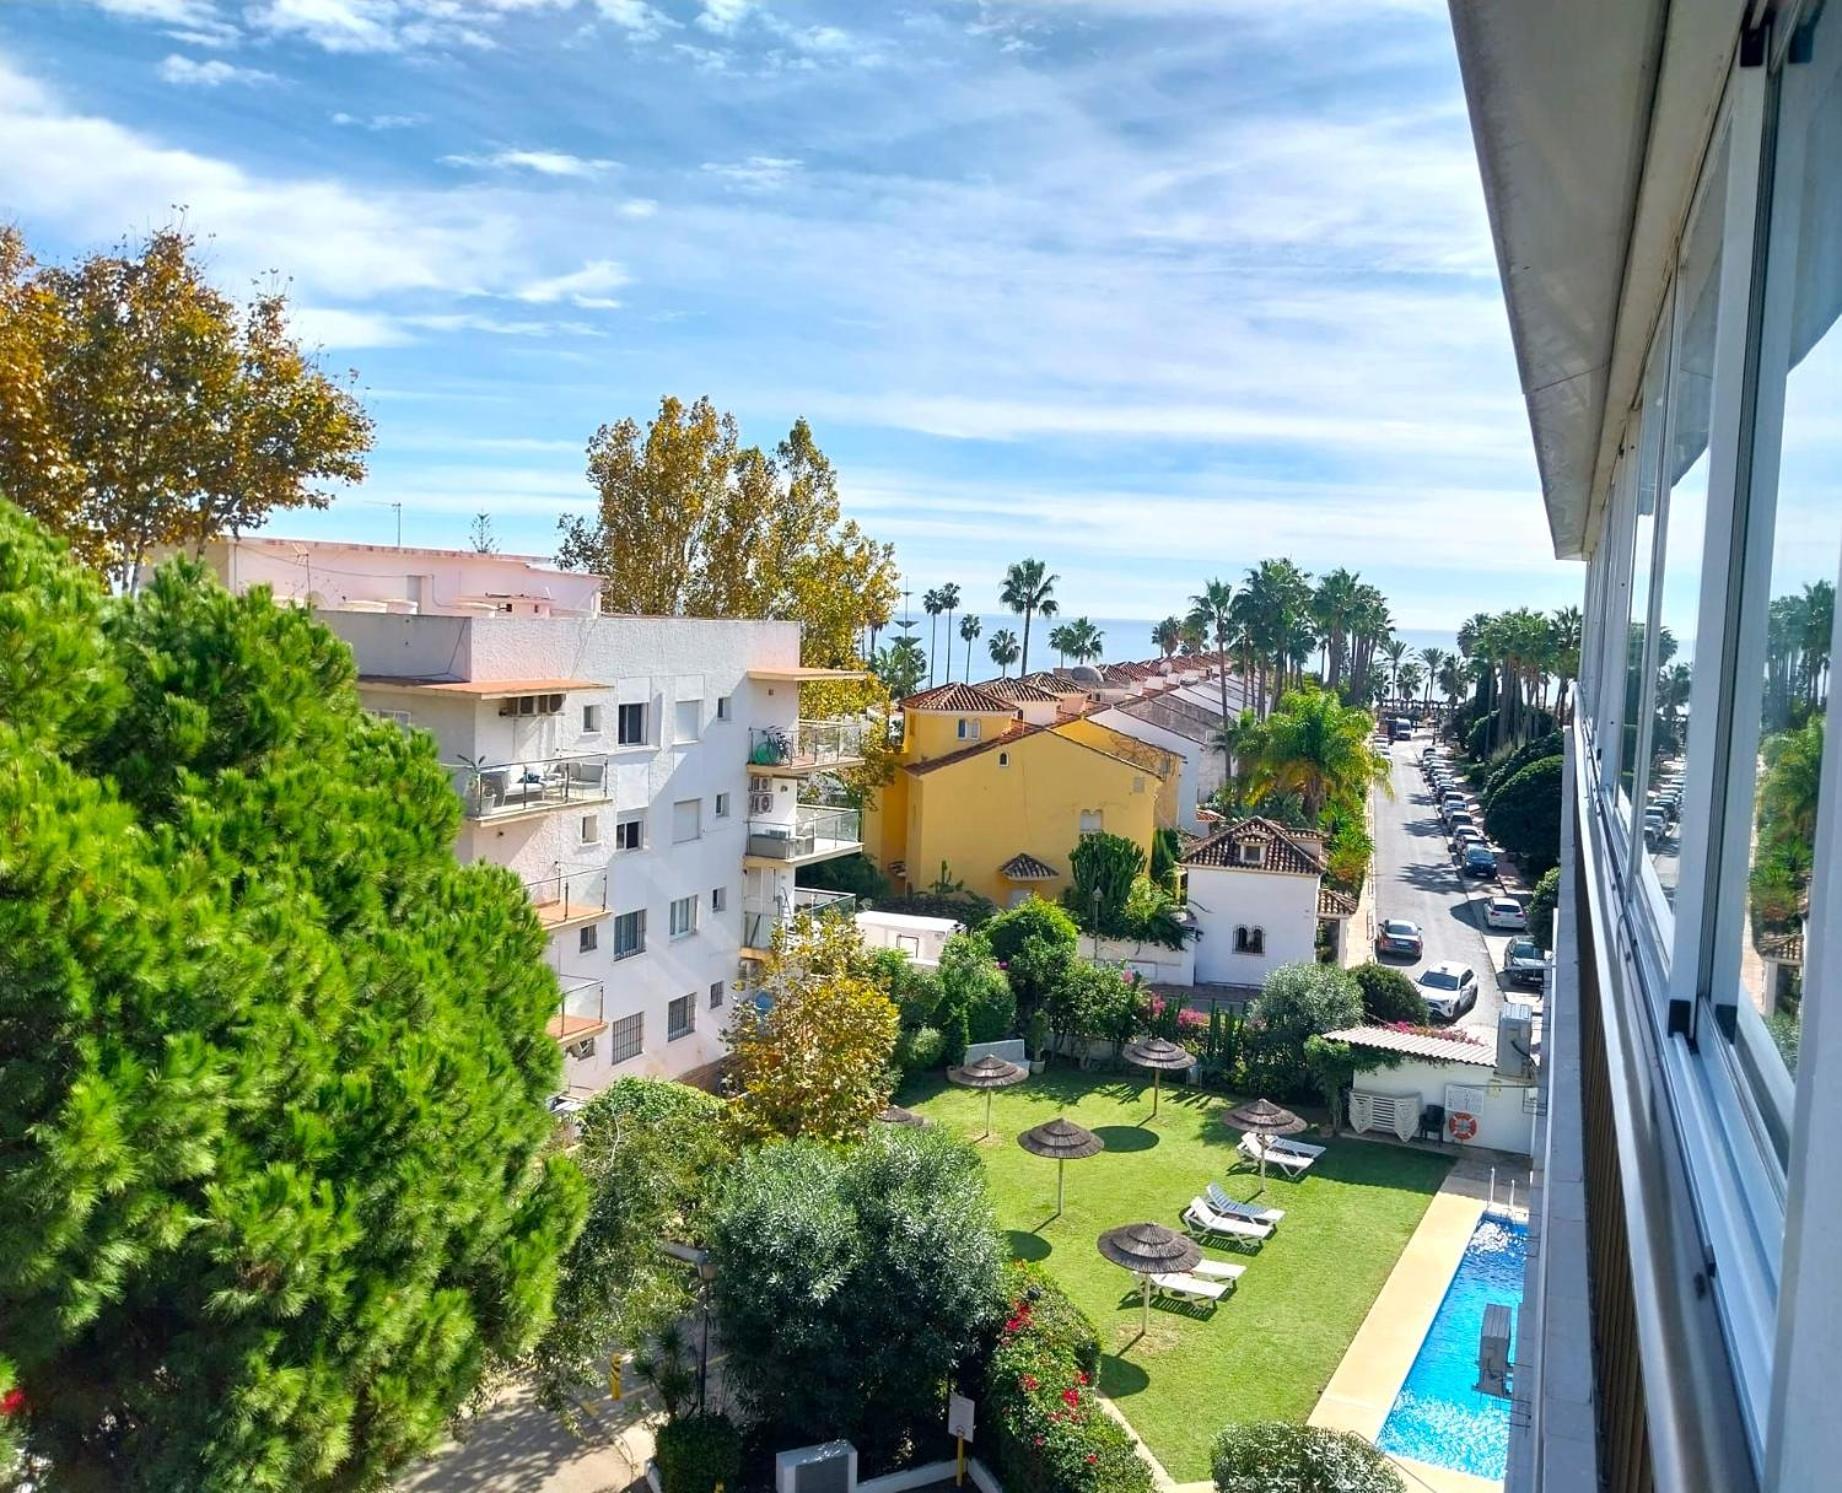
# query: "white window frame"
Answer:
x=724 y=707
x=968 y=730
x=591 y=720
x=588 y=829
x=631 y=818
x=721 y=810
x=697 y=805
x=588 y=938
x=638 y=917
x=683 y=916
x=719 y=899
x=621 y=717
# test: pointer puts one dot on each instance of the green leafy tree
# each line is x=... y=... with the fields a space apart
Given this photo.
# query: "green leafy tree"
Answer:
x=900 y=667
x=1211 y=619
x=272 y=1062
x=140 y=407
x=1542 y=905
x=1388 y=995
x=970 y=981
x=1167 y=636
x=1318 y=748
x=648 y=1149
x=1296 y=1002
x=1029 y=591
x=1265 y=1455
x=1525 y=815
x=1104 y=866
x=853 y=1281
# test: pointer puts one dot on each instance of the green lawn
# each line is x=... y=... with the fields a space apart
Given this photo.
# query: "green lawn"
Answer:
x=1270 y=1348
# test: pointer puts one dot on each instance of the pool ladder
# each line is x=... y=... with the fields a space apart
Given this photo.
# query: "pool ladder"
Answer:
x=1509 y=1207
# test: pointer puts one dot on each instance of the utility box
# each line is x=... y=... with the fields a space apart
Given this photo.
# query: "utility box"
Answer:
x=828 y=1468
x=1516 y=1041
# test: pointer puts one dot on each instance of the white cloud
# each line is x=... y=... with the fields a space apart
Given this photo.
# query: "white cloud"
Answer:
x=194 y=21
x=379 y=121
x=723 y=16
x=212 y=73
x=541 y=162
x=638 y=207
x=336 y=327
x=639 y=20
x=587 y=287
x=756 y=173
x=335 y=25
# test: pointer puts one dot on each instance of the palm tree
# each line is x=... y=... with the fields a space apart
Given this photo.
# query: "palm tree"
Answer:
x=1239 y=741
x=1003 y=649
x=1085 y=641
x=900 y=667
x=1333 y=608
x=1318 y=747
x=949 y=599
x=1409 y=679
x=1434 y=660
x=1059 y=638
x=1394 y=650
x=933 y=606
x=1452 y=682
x=1565 y=634
x=1212 y=618
x=969 y=628
x=1167 y=636
x=1029 y=589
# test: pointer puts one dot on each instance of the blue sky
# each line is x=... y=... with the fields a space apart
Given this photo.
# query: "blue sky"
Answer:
x=1148 y=288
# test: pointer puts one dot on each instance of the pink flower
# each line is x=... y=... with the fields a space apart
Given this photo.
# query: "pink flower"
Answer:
x=12 y=1402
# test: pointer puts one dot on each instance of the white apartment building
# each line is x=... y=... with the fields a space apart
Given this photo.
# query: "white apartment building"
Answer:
x=647 y=778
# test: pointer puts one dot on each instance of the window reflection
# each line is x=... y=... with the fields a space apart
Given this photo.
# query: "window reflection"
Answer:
x=1800 y=345
x=1643 y=558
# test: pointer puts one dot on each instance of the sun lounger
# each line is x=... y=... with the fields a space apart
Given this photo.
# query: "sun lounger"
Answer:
x=1295 y=1147
x=1289 y=1162
x=1252 y=1213
x=1204 y=1222
x=1218 y=1270
x=1190 y=1287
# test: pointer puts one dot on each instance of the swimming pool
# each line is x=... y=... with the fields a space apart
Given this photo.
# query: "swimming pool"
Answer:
x=1438 y=1416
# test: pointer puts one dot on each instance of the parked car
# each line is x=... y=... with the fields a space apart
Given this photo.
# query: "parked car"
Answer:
x=1480 y=860
x=1457 y=819
x=1524 y=962
x=1452 y=800
x=1464 y=837
x=1505 y=912
x=1450 y=990
x=1398 y=936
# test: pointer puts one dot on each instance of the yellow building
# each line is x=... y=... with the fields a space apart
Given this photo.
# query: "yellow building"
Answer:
x=1001 y=801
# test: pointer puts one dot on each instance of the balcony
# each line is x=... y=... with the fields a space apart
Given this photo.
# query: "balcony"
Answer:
x=815 y=833
x=512 y=790
x=760 y=920
x=569 y=896
x=579 y=1009
x=811 y=746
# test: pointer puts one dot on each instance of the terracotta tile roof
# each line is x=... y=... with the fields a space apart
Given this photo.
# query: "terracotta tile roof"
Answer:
x=1334 y=904
x=1281 y=849
x=1786 y=948
x=1018 y=690
x=959 y=698
x=1025 y=867
x=1056 y=684
x=1445 y=1049
x=1014 y=732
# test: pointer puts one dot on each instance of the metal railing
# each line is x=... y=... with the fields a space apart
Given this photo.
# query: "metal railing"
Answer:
x=812 y=829
x=489 y=790
x=580 y=1008
x=759 y=921
x=569 y=892
x=808 y=744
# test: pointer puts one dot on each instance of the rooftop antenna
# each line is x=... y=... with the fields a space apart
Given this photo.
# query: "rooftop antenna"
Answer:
x=376 y=503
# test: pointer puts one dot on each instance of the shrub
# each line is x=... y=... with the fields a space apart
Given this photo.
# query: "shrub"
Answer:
x=697 y=1452
x=962 y=906
x=1032 y=918
x=1541 y=907
x=853 y=1281
x=1477 y=737
x=648 y=1101
x=1297 y=1001
x=921 y=1049
x=915 y=991
x=970 y=981
x=1263 y=1456
x=1505 y=767
x=1104 y=867
x=1388 y=995
x=1525 y=815
x=1037 y=970
x=956 y=1034
x=1049 y=1433
x=1094 y=1003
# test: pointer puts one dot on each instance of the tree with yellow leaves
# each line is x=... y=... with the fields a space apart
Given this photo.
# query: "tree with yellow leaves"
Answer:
x=811 y=1055
x=142 y=408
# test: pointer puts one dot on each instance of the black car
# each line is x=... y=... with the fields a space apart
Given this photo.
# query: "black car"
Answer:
x=1524 y=962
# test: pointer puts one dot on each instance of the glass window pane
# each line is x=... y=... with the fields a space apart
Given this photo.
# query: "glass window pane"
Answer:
x=1643 y=557
x=1802 y=346
x=1684 y=520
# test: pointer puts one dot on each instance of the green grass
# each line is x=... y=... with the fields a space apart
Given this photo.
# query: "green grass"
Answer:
x=1268 y=1350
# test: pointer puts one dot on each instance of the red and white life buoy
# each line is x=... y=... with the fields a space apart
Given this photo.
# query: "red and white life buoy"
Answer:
x=1461 y=1125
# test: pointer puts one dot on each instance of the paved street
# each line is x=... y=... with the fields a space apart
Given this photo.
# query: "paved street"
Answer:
x=1416 y=879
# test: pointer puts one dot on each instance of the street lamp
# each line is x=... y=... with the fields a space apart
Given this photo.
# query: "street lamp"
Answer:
x=706 y=1276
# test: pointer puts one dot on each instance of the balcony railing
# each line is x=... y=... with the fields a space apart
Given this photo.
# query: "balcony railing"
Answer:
x=493 y=790
x=568 y=894
x=810 y=745
x=813 y=830
x=579 y=1009
x=760 y=921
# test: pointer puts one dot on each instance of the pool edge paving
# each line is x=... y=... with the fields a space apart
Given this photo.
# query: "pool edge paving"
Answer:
x=1375 y=1365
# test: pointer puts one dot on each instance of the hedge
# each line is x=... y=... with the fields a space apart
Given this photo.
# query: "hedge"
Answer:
x=1266 y=1456
x=1049 y=1433
x=1388 y=995
x=698 y=1453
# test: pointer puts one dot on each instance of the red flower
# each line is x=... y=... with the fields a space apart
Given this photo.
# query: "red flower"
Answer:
x=1092 y=1458
x=1071 y=1397
x=12 y=1402
x=1081 y=1376
x=1028 y=1381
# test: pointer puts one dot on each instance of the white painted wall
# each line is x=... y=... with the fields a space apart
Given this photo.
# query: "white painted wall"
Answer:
x=1505 y=1118
x=1222 y=900
x=1153 y=961
x=920 y=938
x=1201 y=773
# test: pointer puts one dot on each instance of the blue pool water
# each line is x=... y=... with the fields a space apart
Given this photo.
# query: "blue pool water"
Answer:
x=1438 y=1417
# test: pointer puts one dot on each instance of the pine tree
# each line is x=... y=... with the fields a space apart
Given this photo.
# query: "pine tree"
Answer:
x=272 y=1062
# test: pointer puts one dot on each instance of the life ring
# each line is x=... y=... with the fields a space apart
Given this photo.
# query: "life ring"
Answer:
x=1462 y=1125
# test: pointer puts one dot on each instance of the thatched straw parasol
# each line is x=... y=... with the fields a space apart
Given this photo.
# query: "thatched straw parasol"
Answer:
x=894 y=1114
x=988 y=1073
x=1063 y=1141
x=1148 y=1249
x=1161 y=1056
x=1265 y=1119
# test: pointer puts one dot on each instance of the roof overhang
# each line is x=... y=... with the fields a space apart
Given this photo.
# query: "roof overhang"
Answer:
x=1590 y=121
x=480 y=689
x=801 y=675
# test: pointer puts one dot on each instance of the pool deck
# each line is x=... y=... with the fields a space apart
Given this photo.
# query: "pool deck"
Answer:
x=1374 y=1367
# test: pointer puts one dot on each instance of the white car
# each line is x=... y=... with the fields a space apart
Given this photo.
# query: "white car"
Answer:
x=1465 y=837
x=1450 y=990
x=1506 y=912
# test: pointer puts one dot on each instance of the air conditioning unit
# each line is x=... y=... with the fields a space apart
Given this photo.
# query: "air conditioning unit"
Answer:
x=531 y=705
x=831 y=1468
x=584 y=1048
x=1493 y=1365
x=1516 y=1041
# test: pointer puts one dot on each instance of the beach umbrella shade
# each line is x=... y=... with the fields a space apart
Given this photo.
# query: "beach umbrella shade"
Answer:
x=988 y=1073
x=1265 y=1119
x=894 y=1114
x=1148 y=1249
x=1064 y=1141
x=1160 y=1056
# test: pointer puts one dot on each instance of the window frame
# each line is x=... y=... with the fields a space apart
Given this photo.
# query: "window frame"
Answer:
x=689 y=1004
x=588 y=938
x=630 y=819
x=621 y=738
x=691 y=839
x=617 y=1038
x=689 y=905
x=591 y=719
x=638 y=915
